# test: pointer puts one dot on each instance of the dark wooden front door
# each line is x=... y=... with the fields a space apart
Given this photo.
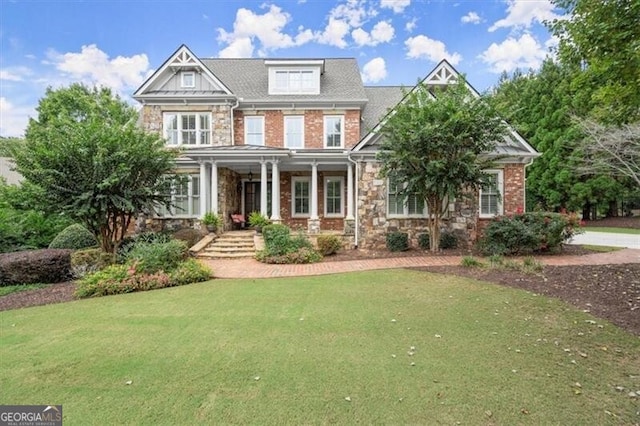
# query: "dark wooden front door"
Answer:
x=252 y=197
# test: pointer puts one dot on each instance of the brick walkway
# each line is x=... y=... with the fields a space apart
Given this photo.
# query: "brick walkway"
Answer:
x=251 y=268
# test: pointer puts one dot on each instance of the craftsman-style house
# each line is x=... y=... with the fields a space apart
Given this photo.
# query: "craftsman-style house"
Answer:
x=294 y=139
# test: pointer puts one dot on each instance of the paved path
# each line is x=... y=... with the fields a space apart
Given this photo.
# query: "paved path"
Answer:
x=607 y=239
x=251 y=268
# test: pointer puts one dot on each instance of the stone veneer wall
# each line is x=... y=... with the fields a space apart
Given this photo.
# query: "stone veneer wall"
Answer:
x=463 y=218
x=220 y=123
x=228 y=196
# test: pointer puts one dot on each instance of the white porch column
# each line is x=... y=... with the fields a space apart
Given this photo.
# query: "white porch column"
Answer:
x=203 y=188
x=314 y=191
x=263 y=188
x=214 y=187
x=349 y=191
x=275 y=191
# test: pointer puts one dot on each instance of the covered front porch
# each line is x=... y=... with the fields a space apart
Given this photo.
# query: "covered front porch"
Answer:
x=310 y=190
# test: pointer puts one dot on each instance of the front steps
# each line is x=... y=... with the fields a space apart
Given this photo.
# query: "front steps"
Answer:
x=232 y=244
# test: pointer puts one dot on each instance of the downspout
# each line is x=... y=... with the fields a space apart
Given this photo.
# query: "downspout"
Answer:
x=355 y=206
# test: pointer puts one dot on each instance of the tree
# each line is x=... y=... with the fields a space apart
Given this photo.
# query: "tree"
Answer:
x=438 y=146
x=92 y=161
x=603 y=39
x=610 y=150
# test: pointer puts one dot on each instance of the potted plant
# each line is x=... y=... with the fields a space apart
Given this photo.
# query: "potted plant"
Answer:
x=212 y=221
x=257 y=220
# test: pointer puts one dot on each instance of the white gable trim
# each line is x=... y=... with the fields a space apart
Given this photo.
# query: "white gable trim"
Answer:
x=181 y=58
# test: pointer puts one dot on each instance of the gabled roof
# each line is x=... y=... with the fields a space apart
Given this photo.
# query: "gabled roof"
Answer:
x=181 y=59
x=248 y=79
x=385 y=101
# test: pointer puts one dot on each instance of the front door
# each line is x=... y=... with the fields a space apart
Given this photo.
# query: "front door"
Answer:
x=252 y=198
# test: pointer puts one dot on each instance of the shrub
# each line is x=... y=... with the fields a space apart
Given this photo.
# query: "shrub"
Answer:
x=258 y=220
x=74 y=237
x=528 y=233
x=281 y=247
x=35 y=266
x=328 y=244
x=119 y=279
x=397 y=241
x=448 y=240
x=470 y=261
x=190 y=236
x=154 y=257
x=89 y=260
x=424 y=241
x=188 y=272
x=147 y=237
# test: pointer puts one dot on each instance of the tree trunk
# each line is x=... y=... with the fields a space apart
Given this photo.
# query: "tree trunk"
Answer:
x=586 y=211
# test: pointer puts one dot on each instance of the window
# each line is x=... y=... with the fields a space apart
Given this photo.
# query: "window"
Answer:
x=188 y=79
x=254 y=130
x=187 y=129
x=185 y=198
x=333 y=196
x=333 y=131
x=301 y=188
x=398 y=206
x=294 y=81
x=294 y=131
x=490 y=200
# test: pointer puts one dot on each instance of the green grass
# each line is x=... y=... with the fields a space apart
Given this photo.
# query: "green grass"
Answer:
x=600 y=249
x=484 y=354
x=632 y=231
x=8 y=289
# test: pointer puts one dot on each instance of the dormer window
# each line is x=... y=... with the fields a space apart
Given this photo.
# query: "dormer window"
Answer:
x=294 y=77
x=188 y=79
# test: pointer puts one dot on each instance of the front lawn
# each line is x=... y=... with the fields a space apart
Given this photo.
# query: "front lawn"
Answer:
x=392 y=347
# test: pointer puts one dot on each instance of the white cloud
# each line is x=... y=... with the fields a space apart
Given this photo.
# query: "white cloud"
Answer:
x=15 y=73
x=422 y=47
x=398 y=6
x=334 y=33
x=13 y=119
x=267 y=29
x=93 y=66
x=382 y=32
x=374 y=70
x=411 y=25
x=521 y=14
x=353 y=12
x=513 y=53
x=470 y=18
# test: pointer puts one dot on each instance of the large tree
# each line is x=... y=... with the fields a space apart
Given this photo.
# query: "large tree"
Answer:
x=436 y=143
x=93 y=162
x=603 y=39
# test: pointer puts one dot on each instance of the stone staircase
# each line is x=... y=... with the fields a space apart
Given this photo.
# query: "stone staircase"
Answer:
x=231 y=244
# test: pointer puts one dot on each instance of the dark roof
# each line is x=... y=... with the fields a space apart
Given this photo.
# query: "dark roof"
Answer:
x=380 y=100
x=249 y=79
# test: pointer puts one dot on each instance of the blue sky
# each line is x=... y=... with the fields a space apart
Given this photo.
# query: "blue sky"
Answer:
x=118 y=43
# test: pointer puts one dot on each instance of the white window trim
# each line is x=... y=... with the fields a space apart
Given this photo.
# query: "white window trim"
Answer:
x=174 y=212
x=295 y=179
x=246 y=128
x=183 y=76
x=324 y=124
x=500 y=187
x=286 y=125
x=274 y=90
x=326 y=182
x=199 y=132
x=405 y=208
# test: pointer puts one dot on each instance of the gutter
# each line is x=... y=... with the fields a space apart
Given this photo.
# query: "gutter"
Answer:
x=231 y=123
x=524 y=194
x=355 y=207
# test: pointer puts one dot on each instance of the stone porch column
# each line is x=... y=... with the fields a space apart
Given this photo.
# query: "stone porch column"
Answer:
x=214 y=187
x=203 y=188
x=275 y=192
x=263 y=188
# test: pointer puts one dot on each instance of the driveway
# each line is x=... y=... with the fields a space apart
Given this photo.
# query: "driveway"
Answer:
x=607 y=239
